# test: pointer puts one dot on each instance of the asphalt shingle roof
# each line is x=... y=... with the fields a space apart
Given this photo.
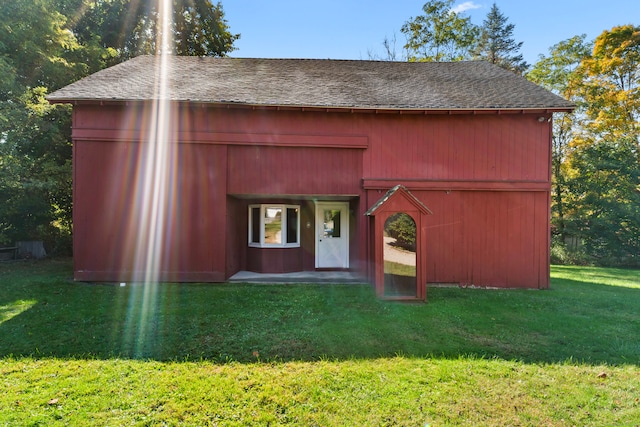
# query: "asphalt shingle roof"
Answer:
x=474 y=85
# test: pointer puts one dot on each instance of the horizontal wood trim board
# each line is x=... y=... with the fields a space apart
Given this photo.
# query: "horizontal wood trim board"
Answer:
x=231 y=138
x=386 y=184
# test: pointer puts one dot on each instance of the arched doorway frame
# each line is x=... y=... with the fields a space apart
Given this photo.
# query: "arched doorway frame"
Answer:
x=399 y=200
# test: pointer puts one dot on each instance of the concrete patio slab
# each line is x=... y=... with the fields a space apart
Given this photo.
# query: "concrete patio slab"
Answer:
x=298 y=277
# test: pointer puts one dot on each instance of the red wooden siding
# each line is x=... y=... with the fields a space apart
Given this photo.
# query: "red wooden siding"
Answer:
x=302 y=171
x=237 y=236
x=458 y=148
x=108 y=206
x=274 y=260
x=485 y=177
x=487 y=238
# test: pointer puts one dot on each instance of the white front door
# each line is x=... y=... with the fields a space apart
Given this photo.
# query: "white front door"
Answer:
x=332 y=235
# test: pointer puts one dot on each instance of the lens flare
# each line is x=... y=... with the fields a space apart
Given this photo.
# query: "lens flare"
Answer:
x=154 y=199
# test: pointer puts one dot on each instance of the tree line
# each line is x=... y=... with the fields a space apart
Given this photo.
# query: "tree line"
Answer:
x=596 y=149
x=46 y=44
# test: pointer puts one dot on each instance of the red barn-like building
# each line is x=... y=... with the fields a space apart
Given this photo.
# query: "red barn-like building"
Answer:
x=198 y=168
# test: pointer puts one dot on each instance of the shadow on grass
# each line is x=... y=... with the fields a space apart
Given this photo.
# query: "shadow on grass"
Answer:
x=47 y=315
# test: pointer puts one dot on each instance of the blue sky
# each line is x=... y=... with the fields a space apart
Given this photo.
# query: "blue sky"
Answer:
x=350 y=29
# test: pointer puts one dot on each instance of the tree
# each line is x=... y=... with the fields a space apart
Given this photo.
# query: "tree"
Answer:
x=596 y=159
x=496 y=44
x=440 y=34
x=34 y=136
x=605 y=200
x=605 y=163
x=402 y=227
x=558 y=73
x=132 y=27
x=611 y=84
x=390 y=51
x=596 y=151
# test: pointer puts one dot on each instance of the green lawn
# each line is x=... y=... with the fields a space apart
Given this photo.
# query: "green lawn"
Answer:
x=81 y=354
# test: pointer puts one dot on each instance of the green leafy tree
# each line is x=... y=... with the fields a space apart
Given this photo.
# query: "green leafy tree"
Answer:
x=34 y=41
x=605 y=198
x=497 y=45
x=34 y=136
x=439 y=34
x=605 y=163
x=596 y=160
x=132 y=27
x=402 y=227
x=558 y=73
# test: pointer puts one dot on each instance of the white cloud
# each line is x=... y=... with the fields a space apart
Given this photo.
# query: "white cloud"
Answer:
x=463 y=7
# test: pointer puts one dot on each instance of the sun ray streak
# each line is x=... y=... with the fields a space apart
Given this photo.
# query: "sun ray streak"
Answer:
x=155 y=199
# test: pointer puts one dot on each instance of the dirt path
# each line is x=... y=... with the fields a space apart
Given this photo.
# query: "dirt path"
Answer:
x=393 y=254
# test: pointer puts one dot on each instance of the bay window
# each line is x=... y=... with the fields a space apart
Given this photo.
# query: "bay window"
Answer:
x=274 y=225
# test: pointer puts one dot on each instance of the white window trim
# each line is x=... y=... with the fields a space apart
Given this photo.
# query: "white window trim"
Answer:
x=263 y=207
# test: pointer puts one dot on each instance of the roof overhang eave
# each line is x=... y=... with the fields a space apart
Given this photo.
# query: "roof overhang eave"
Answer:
x=327 y=108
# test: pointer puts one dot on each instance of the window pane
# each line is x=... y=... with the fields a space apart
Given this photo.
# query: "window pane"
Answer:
x=255 y=225
x=292 y=225
x=332 y=223
x=273 y=225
